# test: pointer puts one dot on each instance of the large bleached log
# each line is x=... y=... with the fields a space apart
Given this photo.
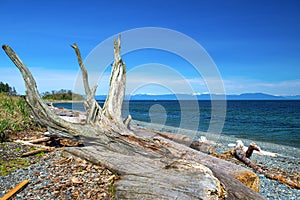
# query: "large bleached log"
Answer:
x=221 y=168
x=150 y=167
x=248 y=178
x=149 y=175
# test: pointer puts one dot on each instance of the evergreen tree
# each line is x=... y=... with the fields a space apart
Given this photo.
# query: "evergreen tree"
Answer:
x=5 y=88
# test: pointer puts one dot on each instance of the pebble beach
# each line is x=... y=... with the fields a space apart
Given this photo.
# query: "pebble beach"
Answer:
x=58 y=175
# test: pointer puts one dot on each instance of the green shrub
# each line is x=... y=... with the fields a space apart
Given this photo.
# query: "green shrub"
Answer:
x=14 y=115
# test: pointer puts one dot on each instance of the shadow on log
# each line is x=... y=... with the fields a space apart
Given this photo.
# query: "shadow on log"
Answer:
x=150 y=166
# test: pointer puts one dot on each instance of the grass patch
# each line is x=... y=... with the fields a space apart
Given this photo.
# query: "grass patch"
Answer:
x=11 y=160
x=112 y=190
x=6 y=167
x=15 y=115
x=40 y=154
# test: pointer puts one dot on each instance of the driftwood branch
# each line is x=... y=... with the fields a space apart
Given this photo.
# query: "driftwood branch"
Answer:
x=113 y=104
x=83 y=71
x=244 y=157
x=41 y=111
x=27 y=143
x=202 y=144
x=252 y=147
x=127 y=121
x=110 y=116
x=92 y=107
x=40 y=140
x=15 y=190
x=150 y=166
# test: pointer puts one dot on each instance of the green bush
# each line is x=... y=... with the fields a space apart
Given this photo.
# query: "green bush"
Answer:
x=14 y=115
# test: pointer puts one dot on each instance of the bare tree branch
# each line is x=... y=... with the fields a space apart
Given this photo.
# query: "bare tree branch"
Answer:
x=113 y=104
x=42 y=112
x=83 y=70
x=92 y=107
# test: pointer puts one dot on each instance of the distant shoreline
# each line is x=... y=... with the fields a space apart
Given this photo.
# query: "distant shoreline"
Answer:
x=243 y=96
x=81 y=101
x=63 y=101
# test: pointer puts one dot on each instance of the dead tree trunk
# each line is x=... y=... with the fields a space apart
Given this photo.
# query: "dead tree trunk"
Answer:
x=150 y=166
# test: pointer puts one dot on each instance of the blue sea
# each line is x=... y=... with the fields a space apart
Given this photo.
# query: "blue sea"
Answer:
x=273 y=121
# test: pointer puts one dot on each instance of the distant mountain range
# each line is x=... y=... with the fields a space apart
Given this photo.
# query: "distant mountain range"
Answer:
x=245 y=96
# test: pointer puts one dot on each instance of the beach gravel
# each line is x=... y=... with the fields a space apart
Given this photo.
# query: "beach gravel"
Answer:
x=61 y=176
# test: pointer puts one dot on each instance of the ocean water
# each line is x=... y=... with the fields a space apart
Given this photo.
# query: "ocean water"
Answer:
x=267 y=121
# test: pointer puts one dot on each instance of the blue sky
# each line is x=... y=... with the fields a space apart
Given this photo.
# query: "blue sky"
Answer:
x=254 y=44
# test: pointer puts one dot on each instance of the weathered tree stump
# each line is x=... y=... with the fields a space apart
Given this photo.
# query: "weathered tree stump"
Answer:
x=150 y=166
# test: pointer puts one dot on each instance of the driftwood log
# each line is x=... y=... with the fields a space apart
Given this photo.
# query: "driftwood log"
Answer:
x=15 y=190
x=244 y=157
x=150 y=166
